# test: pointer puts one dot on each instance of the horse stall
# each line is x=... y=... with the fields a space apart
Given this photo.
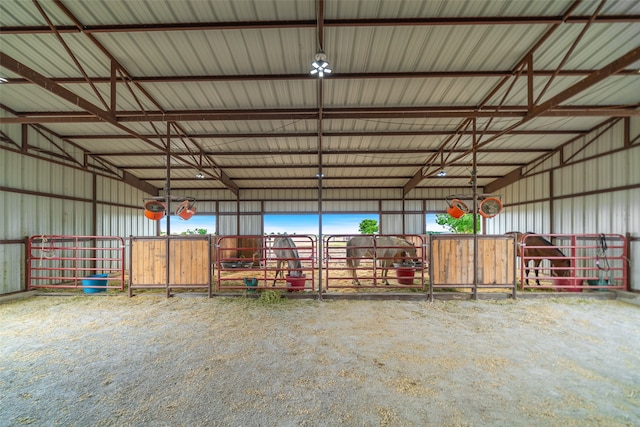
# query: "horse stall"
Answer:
x=573 y=262
x=455 y=262
x=375 y=262
x=91 y=263
x=276 y=262
x=170 y=263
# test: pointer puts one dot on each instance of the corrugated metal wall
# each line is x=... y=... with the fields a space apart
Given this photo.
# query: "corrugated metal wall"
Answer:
x=44 y=198
x=595 y=191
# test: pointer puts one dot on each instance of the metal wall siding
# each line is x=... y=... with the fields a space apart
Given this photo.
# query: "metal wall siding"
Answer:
x=227 y=207
x=12 y=277
x=251 y=225
x=250 y=207
x=415 y=224
x=391 y=205
x=390 y=224
x=291 y=206
x=413 y=205
x=355 y=206
x=227 y=225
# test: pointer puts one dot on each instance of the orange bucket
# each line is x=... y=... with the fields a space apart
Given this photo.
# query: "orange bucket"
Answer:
x=457 y=208
x=186 y=210
x=154 y=210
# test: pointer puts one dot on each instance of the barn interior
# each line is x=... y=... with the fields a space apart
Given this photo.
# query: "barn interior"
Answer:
x=257 y=108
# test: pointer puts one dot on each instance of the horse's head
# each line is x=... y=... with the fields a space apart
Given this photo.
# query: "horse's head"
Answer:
x=561 y=267
x=409 y=252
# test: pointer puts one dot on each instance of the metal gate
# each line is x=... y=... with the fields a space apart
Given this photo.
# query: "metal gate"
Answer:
x=374 y=261
x=75 y=262
x=573 y=262
x=251 y=263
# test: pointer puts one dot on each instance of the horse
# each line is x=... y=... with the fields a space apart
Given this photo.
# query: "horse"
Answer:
x=285 y=249
x=384 y=249
x=537 y=248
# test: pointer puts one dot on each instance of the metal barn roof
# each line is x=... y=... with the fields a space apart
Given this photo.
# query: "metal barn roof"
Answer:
x=417 y=87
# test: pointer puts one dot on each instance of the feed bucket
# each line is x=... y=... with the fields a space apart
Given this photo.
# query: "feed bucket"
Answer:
x=251 y=284
x=599 y=282
x=95 y=280
x=295 y=284
x=405 y=275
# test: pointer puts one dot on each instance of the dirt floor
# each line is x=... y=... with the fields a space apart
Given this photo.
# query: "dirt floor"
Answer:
x=191 y=361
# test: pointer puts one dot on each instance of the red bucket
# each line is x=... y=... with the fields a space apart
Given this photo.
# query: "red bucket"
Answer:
x=569 y=283
x=405 y=275
x=295 y=284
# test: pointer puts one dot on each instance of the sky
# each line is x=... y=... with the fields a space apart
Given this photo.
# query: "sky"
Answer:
x=292 y=224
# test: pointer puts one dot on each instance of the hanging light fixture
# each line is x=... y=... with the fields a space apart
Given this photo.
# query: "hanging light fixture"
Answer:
x=200 y=175
x=442 y=173
x=320 y=65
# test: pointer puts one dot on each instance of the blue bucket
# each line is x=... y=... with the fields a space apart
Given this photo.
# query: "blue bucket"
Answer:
x=95 y=280
x=251 y=284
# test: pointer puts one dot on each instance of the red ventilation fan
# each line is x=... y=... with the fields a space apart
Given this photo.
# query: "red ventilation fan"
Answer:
x=490 y=207
x=154 y=210
x=457 y=208
x=186 y=209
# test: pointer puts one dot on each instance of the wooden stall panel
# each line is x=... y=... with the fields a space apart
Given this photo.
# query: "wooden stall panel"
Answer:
x=189 y=261
x=452 y=261
x=496 y=260
x=148 y=261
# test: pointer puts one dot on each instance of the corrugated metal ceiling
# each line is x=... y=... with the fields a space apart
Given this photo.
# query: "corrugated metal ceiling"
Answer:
x=229 y=81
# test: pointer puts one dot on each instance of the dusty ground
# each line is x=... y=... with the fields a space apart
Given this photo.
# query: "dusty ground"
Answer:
x=187 y=361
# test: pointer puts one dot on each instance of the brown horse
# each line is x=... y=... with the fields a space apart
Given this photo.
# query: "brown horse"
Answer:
x=384 y=249
x=285 y=249
x=536 y=248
